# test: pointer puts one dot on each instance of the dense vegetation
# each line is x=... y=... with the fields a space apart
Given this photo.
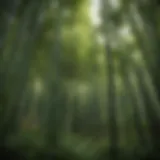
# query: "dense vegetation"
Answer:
x=74 y=87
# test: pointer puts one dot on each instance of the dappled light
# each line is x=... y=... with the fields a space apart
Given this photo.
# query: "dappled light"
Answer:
x=79 y=79
x=38 y=86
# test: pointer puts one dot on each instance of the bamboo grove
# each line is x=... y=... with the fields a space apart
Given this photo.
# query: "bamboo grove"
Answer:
x=72 y=88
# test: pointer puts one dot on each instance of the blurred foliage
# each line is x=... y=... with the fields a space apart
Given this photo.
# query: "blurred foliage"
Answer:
x=77 y=84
